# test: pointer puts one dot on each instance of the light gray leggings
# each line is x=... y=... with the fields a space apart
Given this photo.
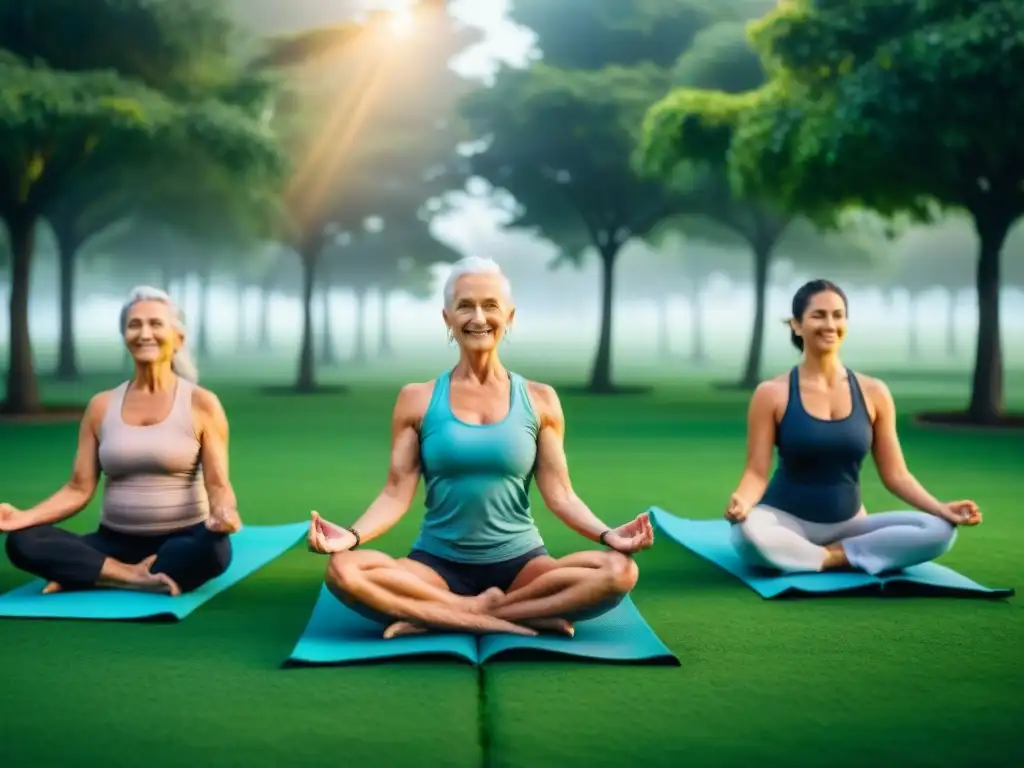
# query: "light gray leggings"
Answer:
x=886 y=541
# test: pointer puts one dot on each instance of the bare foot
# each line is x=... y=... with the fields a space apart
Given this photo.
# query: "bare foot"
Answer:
x=444 y=618
x=159 y=583
x=139 y=578
x=400 y=628
x=555 y=626
x=485 y=601
x=481 y=604
x=51 y=588
x=835 y=558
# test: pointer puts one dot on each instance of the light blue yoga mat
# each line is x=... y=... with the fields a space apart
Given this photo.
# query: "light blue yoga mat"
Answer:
x=253 y=547
x=711 y=539
x=336 y=635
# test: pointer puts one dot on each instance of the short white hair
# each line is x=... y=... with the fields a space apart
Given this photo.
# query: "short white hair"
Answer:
x=182 y=364
x=474 y=265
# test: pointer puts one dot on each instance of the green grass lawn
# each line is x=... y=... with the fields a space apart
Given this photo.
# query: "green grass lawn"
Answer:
x=824 y=681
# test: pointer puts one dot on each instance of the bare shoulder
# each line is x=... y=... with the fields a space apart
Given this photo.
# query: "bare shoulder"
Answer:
x=877 y=395
x=545 y=401
x=871 y=386
x=208 y=416
x=207 y=404
x=413 y=400
x=97 y=407
x=769 y=399
x=771 y=392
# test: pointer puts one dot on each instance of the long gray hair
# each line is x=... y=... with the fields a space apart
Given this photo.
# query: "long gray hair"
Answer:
x=182 y=363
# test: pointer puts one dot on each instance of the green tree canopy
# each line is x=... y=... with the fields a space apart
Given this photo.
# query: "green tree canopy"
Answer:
x=57 y=114
x=592 y=34
x=720 y=59
x=559 y=142
x=900 y=106
x=687 y=138
x=376 y=133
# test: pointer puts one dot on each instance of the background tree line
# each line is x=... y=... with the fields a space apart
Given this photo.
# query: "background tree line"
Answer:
x=297 y=154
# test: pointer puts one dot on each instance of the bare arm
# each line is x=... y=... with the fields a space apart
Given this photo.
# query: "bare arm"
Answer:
x=888 y=454
x=552 y=472
x=403 y=477
x=213 y=431
x=760 y=443
x=76 y=494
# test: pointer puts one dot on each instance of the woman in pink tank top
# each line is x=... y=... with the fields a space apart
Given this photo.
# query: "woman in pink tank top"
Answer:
x=161 y=442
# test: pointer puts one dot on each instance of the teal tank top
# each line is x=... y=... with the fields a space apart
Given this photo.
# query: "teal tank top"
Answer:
x=478 y=480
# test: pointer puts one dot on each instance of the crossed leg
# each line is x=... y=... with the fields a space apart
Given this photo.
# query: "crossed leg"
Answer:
x=875 y=543
x=67 y=560
x=401 y=591
x=550 y=594
x=573 y=588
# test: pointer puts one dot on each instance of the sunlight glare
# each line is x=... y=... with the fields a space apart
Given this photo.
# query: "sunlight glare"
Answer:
x=401 y=23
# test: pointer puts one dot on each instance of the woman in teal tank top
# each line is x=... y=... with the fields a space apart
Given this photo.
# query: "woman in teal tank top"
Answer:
x=479 y=436
x=824 y=419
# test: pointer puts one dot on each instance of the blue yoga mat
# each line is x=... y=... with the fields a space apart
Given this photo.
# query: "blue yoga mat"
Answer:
x=336 y=635
x=253 y=547
x=711 y=539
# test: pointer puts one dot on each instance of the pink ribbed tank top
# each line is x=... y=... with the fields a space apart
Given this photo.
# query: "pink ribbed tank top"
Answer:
x=154 y=477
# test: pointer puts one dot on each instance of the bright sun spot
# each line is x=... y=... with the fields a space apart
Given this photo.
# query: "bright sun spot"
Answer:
x=401 y=23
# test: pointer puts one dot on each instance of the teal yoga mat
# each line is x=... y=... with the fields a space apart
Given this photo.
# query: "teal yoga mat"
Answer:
x=253 y=547
x=711 y=539
x=337 y=635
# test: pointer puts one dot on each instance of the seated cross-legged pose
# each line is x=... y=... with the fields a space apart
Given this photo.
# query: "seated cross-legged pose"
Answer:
x=478 y=435
x=162 y=442
x=825 y=419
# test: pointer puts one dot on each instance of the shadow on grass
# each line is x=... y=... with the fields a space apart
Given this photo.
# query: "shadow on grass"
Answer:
x=732 y=386
x=46 y=414
x=962 y=421
x=616 y=391
x=290 y=390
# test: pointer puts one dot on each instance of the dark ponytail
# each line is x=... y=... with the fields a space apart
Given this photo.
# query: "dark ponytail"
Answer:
x=797 y=341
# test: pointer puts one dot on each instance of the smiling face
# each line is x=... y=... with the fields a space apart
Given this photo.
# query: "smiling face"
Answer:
x=150 y=333
x=480 y=312
x=823 y=324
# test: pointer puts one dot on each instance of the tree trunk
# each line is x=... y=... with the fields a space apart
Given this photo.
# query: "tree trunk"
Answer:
x=987 y=396
x=240 y=317
x=601 y=373
x=306 y=381
x=951 y=307
x=890 y=299
x=203 y=316
x=762 y=266
x=22 y=384
x=385 y=347
x=263 y=341
x=664 y=340
x=913 y=328
x=359 y=349
x=698 y=353
x=327 y=351
x=67 y=358
x=165 y=277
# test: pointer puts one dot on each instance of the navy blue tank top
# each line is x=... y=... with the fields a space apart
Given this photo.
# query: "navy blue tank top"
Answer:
x=818 y=475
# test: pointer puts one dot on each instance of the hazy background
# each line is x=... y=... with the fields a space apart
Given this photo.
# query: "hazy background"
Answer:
x=684 y=304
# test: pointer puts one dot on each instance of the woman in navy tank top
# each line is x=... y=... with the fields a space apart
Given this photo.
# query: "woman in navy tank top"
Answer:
x=479 y=436
x=824 y=419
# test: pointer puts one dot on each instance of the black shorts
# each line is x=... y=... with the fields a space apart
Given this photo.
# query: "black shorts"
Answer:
x=474 y=578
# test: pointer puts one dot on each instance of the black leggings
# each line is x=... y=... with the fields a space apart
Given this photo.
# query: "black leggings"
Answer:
x=191 y=556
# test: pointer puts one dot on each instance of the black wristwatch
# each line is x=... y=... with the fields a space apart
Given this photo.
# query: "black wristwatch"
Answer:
x=603 y=534
x=359 y=539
